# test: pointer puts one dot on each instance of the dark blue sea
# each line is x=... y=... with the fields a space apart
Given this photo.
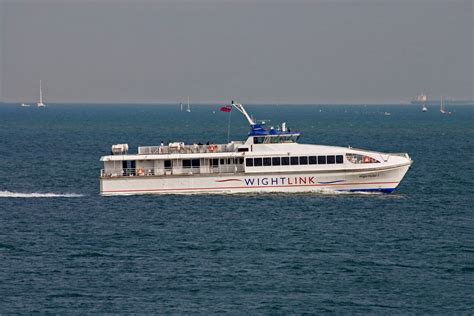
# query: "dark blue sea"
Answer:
x=64 y=248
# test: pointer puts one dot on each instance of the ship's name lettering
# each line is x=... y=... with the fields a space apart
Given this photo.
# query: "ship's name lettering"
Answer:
x=279 y=181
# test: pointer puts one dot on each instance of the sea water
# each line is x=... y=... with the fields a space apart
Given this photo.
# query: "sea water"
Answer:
x=65 y=248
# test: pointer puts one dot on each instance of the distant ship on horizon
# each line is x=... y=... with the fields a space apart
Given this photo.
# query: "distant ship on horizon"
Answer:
x=422 y=99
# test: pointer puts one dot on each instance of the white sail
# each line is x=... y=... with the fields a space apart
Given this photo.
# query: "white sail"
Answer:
x=40 y=103
x=189 y=108
x=442 y=109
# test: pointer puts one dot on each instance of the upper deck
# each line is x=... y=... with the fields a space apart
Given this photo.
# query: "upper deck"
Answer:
x=181 y=148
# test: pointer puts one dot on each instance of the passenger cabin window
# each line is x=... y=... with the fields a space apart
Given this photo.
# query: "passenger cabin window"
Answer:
x=267 y=161
x=294 y=161
x=191 y=163
x=168 y=164
x=187 y=163
x=276 y=161
x=249 y=162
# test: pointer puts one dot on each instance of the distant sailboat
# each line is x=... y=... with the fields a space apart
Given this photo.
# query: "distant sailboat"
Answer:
x=189 y=108
x=24 y=105
x=441 y=107
x=181 y=106
x=40 y=103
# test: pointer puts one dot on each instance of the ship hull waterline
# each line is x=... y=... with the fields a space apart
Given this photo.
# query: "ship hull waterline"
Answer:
x=383 y=180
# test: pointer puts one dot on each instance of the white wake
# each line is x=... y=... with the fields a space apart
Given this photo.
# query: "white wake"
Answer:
x=8 y=194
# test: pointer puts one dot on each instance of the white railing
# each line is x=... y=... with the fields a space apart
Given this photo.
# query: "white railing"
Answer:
x=181 y=148
x=144 y=172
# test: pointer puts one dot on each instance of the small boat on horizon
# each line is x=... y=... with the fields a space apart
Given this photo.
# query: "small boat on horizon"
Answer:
x=424 y=108
x=25 y=105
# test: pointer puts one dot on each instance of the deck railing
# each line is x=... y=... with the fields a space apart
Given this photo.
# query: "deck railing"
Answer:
x=181 y=148
x=144 y=172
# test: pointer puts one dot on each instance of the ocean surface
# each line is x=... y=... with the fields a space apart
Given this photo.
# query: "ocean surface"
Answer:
x=63 y=248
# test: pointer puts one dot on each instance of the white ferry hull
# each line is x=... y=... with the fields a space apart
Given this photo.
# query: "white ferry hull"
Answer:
x=383 y=180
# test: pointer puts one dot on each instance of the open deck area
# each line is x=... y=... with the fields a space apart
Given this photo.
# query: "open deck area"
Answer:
x=181 y=148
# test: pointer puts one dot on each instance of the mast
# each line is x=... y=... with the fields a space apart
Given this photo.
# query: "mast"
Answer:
x=41 y=94
x=40 y=103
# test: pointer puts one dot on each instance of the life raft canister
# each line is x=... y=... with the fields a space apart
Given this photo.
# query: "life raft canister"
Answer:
x=212 y=148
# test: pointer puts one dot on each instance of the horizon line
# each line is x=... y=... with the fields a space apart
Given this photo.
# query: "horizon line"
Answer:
x=464 y=102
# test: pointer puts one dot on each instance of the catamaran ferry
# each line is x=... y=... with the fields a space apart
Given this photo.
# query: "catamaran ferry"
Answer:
x=270 y=160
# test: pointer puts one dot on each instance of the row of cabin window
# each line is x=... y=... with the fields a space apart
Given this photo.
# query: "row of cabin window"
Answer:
x=226 y=161
x=302 y=160
x=195 y=163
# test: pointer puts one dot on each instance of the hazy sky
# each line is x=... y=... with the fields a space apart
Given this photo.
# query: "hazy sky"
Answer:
x=254 y=51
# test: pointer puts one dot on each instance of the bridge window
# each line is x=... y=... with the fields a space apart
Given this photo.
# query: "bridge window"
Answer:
x=275 y=139
x=356 y=158
x=258 y=140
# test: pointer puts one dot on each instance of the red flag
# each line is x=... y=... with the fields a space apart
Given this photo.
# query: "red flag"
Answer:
x=226 y=108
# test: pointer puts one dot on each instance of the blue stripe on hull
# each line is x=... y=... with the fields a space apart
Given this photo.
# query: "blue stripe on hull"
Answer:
x=372 y=190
